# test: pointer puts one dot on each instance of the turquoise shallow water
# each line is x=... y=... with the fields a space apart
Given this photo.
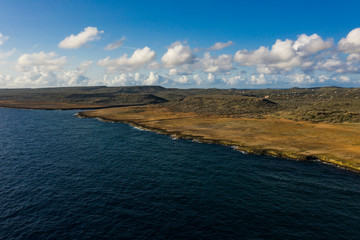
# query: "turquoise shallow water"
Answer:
x=62 y=177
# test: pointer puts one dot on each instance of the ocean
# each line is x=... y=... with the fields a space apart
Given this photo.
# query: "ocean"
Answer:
x=62 y=177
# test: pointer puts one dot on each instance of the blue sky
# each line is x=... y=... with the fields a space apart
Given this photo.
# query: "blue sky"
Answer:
x=224 y=44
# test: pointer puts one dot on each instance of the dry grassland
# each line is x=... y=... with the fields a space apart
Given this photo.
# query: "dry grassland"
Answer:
x=338 y=144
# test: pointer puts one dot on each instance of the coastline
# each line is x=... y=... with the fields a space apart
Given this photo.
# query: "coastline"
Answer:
x=164 y=129
x=337 y=144
x=58 y=106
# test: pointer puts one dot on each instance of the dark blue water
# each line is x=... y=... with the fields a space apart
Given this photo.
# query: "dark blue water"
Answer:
x=62 y=177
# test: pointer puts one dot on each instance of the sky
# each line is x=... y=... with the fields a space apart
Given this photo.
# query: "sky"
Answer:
x=183 y=44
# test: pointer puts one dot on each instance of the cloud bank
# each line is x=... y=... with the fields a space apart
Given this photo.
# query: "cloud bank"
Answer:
x=284 y=55
x=307 y=60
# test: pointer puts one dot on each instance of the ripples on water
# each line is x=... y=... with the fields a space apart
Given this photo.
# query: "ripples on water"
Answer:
x=67 y=178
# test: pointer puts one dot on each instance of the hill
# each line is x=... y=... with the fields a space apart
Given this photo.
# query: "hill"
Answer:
x=327 y=104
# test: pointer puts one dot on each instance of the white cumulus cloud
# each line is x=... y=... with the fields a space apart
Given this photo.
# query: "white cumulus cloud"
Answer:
x=6 y=81
x=216 y=64
x=177 y=54
x=281 y=51
x=336 y=65
x=119 y=80
x=126 y=79
x=138 y=59
x=258 y=80
x=307 y=45
x=353 y=58
x=323 y=78
x=249 y=58
x=44 y=60
x=233 y=80
x=152 y=79
x=350 y=44
x=37 y=77
x=284 y=56
x=281 y=57
x=76 y=41
x=211 y=78
x=198 y=79
x=182 y=80
x=42 y=77
x=301 y=78
x=344 y=79
x=47 y=70
x=76 y=77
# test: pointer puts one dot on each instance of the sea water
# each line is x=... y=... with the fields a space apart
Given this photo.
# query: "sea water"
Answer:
x=62 y=177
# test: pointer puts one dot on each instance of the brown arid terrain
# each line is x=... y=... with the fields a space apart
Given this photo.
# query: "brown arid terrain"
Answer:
x=337 y=144
x=299 y=123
